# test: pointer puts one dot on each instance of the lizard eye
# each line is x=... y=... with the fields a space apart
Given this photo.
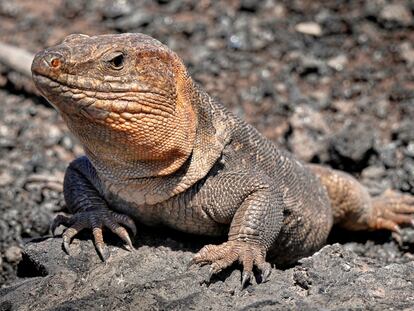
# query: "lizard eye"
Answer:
x=117 y=62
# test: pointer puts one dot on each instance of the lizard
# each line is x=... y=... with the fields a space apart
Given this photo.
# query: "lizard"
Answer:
x=160 y=151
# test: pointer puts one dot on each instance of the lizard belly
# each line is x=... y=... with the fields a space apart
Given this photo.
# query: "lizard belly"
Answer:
x=180 y=212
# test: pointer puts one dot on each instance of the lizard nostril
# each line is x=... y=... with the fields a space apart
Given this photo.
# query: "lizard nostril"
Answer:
x=55 y=63
x=48 y=63
x=54 y=60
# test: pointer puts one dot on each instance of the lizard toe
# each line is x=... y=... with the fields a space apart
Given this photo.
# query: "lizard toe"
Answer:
x=100 y=246
x=119 y=231
x=391 y=210
x=126 y=221
x=224 y=255
x=70 y=233
x=96 y=220
x=265 y=268
x=60 y=220
x=246 y=278
x=208 y=254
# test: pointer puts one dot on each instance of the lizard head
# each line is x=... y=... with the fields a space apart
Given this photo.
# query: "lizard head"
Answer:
x=126 y=97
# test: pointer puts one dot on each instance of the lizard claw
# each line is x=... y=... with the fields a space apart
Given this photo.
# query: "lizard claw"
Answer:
x=190 y=263
x=69 y=233
x=96 y=220
x=103 y=252
x=266 y=270
x=209 y=276
x=246 y=277
x=66 y=247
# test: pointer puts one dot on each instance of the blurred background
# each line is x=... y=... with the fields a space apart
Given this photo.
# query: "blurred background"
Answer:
x=332 y=81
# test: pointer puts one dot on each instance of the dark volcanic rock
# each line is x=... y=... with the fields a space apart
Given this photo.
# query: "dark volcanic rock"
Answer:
x=352 y=146
x=309 y=136
x=157 y=278
x=405 y=132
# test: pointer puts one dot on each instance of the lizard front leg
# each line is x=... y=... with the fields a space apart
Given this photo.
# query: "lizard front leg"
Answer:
x=83 y=199
x=255 y=224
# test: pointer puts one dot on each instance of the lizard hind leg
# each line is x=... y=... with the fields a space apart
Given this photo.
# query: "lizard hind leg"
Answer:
x=354 y=209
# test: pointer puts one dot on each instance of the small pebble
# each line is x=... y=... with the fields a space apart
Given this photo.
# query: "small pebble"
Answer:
x=13 y=254
x=309 y=28
x=338 y=62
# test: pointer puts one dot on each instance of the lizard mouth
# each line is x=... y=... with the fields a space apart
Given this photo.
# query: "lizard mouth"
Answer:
x=77 y=99
x=98 y=103
x=49 y=85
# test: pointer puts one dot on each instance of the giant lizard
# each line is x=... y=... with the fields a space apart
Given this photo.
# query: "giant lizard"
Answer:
x=161 y=151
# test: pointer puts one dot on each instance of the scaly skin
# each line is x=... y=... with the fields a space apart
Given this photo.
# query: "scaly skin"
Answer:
x=159 y=150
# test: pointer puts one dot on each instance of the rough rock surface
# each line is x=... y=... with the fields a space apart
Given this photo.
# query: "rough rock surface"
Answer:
x=311 y=94
x=156 y=277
